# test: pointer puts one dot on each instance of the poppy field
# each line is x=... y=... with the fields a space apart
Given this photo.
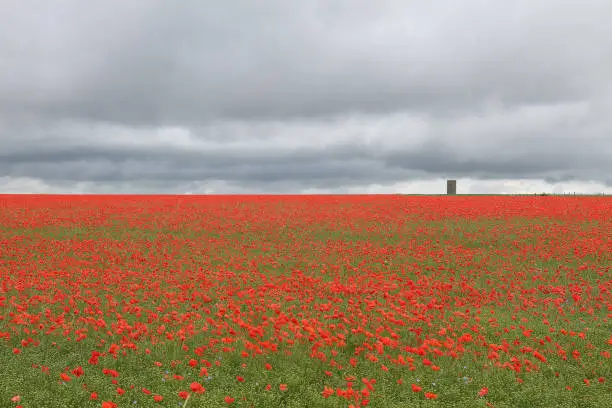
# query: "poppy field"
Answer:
x=305 y=301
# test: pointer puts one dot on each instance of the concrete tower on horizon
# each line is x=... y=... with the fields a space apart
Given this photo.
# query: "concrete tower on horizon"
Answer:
x=451 y=187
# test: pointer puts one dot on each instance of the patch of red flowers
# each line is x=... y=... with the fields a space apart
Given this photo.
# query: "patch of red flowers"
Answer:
x=396 y=287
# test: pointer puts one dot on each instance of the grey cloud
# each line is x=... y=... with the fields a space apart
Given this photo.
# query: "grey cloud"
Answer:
x=349 y=161
x=159 y=63
x=275 y=95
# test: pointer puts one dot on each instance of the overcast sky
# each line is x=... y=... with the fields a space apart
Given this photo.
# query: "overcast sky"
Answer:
x=317 y=96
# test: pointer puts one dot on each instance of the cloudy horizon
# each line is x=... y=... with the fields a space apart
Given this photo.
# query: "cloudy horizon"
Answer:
x=393 y=96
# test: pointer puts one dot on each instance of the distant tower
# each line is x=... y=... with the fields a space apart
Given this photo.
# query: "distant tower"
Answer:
x=451 y=187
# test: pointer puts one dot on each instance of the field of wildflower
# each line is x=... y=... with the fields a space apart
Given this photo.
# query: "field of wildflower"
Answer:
x=305 y=301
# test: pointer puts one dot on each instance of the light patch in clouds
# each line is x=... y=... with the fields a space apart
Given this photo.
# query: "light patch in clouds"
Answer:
x=23 y=185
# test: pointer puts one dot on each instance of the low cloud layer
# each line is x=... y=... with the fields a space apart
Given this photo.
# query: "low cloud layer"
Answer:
x=391 y=96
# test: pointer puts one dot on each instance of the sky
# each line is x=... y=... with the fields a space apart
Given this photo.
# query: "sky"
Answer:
x=317 y=96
